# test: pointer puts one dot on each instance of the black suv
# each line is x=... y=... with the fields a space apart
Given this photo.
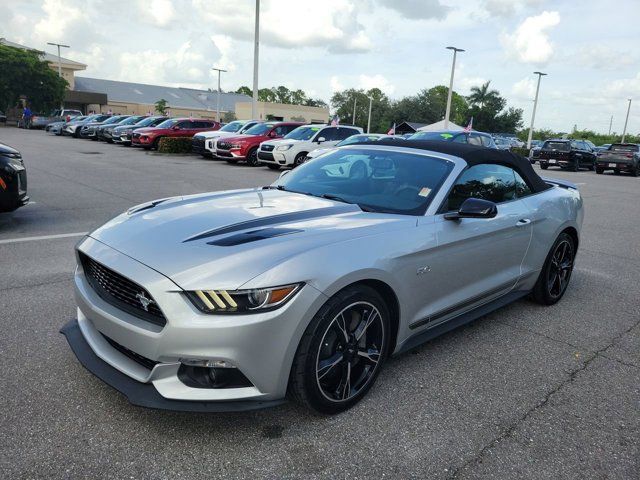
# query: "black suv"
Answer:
x=567 y=154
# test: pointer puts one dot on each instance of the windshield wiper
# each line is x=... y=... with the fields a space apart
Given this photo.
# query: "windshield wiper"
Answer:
x=274 y=187
x=338 y=198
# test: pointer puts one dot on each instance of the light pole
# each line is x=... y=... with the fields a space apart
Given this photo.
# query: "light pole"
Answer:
x=626 y=121
x=453 y=69
x=59 y=60
x=535 y=105
x=610 y=123
x=219 y=70
x=355 y=102
x=256 y=51
x=369 y=121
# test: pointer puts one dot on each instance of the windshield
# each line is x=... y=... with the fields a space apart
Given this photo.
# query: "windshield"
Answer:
x=561 y=146
x=131 y=120
x=232 y=127
x=302 y=133
x=145 y=122
x=623 y=148
x=359 y=138
x=501 y=141
x=113 y=120
x=438 y=136
x=376 y=180
x=168 y=123
x=260 y=129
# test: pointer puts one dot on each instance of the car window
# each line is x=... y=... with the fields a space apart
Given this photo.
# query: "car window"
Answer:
x=475 y=139
x=329 y=134
x=281 y=131
x=485 y=181
x=486 y=141
x=377 y=180
x=462 y=138
x=184 y=124
x=342 y=133
x=522 y=188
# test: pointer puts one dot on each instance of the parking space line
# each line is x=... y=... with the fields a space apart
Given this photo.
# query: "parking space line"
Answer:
x=42 y=237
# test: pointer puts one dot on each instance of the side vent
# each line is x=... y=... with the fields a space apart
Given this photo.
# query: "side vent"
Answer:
x=252 y=236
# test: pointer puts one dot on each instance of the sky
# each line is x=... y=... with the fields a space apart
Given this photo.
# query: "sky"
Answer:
x=590 y=52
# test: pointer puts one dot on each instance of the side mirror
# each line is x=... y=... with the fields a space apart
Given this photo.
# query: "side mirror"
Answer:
x=474 y=208
x=175 y=127
x=321 y=139
x=272 y=134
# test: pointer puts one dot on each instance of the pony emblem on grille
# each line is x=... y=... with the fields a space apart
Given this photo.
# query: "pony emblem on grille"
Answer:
x=144 y=301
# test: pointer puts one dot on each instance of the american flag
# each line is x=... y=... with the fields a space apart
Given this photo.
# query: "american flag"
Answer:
x=335 y=121
x=470 y=126
x=392 y=130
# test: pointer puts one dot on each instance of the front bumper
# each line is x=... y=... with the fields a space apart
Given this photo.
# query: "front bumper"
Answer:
x=233 y=154
x=274 y=158
x=261 y=346
x=144 y=394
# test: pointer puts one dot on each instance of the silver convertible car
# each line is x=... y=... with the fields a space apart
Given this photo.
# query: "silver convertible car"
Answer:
x=238 y=300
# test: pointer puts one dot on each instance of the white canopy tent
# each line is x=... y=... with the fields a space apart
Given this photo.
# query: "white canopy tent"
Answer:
x=440 y=126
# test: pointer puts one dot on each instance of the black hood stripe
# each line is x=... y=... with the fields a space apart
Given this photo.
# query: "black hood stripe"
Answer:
x=277 y=219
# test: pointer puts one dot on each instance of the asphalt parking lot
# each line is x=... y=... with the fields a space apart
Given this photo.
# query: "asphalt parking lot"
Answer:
x=526 y=392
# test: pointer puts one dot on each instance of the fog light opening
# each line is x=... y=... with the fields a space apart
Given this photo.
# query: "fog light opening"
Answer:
x=201 y=376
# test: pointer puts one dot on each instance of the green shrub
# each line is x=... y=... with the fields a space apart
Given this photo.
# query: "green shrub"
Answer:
x=174 y=145
x=524 y=151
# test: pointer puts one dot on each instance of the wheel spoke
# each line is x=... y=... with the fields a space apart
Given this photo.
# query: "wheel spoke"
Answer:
x=364 y=324
x=346 y=388
x=371 y=355
x=325 y=366
x=342 y=326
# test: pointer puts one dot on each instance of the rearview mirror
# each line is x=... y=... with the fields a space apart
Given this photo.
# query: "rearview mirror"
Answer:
x=474 y=208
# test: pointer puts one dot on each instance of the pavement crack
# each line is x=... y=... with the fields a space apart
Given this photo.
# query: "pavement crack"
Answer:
x=33 y=285
x=508 y=432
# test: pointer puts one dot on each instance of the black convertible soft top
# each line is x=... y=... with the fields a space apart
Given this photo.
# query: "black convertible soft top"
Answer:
x=474 y=155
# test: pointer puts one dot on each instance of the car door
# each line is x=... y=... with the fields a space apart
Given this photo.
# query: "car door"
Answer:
x=477 y=259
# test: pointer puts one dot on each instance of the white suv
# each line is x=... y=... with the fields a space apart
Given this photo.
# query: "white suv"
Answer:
x=292 y=150
x=204 y=143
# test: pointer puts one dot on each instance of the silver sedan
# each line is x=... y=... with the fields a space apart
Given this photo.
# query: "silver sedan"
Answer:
x=301 y=289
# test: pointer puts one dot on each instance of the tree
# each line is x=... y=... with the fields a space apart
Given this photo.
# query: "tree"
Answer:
x=24 y=73
x=487 y=108
x=343 y=105
x=480 y=96
x=161 y=106
x=229 y=117
x=282 y=94
x=244 y=90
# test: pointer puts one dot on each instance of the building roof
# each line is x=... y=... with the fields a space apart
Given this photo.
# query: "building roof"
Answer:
x=49 y=57
x=149 y=94
x=440 y=126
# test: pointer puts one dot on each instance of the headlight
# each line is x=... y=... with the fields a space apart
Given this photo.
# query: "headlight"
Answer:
x=242 y=301
x=236 y=145
x=284 y=147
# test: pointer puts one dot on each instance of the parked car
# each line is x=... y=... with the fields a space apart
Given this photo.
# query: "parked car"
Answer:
x=472 y=138
x=105 y=133
x=74 y=127
x=245 y=147
x=567 y=154
x=503 y=143
x=602 y=148
x=111 y=121
x=234 y=300
x=358 y=138
x=620 y=157
x=534 y=151
x=64 y=115
x=88 y=130
x=293 y=149
x=148 y=137
x=122 y=132
x=204 y=143
x=54 y=127
x=13 y=179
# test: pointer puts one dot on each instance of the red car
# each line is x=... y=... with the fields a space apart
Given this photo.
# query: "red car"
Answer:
x=245 y=147
x=173 y=127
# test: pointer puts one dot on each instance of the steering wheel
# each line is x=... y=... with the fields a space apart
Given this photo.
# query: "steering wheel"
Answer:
x=410 y=189
x=358 y=170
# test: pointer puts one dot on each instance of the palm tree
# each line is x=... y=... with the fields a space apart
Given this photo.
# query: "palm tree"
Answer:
x=481 y=95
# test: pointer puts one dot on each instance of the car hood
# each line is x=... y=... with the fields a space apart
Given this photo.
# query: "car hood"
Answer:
x=146 y=129
x=282 y=141
x=215 y=134
x=243 y=138
x=224 y=239
x=7 y=149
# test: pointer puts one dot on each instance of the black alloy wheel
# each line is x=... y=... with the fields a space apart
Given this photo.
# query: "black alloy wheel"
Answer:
x=556 y=273
x=342 y=351
x=252 y=157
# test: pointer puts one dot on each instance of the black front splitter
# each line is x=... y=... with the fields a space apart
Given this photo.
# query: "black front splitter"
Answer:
x=145 y=394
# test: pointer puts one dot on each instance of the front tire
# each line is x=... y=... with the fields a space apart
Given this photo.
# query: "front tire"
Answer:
x=299 y=160
x=556 y=272
x=252 y=157
x=342 y=351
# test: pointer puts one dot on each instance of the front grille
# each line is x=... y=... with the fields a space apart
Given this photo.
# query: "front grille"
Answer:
x=265 y=156
x=267 y=148
x=224 y=145
x=136 y=135
x=197 y=145
x=144 y=361
x=120 y=292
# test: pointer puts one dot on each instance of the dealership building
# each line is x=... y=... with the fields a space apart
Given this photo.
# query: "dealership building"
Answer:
x=99 y=95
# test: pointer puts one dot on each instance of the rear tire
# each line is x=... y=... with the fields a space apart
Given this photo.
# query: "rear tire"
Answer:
x=599 y=171
x=544 y=167
x=636 y=171
x=616 y=171
x=342 y=351
x=556 y=272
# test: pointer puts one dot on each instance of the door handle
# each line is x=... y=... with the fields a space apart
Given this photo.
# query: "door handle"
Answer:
x=522 y=222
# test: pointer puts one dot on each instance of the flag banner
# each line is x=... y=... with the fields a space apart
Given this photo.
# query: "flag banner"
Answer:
x=469 y=127
x=392 y=130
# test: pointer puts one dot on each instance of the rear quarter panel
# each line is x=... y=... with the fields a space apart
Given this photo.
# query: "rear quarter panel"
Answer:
x=552 y=211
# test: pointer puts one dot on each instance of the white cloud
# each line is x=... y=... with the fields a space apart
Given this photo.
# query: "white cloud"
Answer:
x=530 y=42
x=464 y=84
x=602 y=57
x=417 y=9
x=507 y=8
x=335 y=83
x=64 y=22
x=157 y=12
x=376 y=81
x=524 y=89
x=224 y=44
x=623 y=88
